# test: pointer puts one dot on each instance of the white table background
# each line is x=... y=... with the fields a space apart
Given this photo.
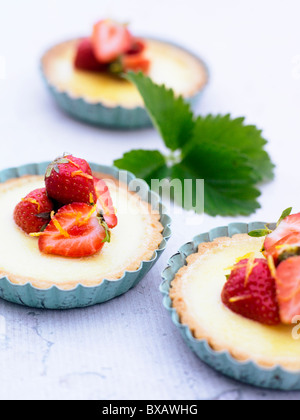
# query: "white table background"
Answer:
x=129 y=348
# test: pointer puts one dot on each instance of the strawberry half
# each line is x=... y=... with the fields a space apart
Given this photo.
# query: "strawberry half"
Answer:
x=85 y=58
x=286 y=247
x=75 y=231
x=105 y=205
x=288 y=289
x=110 y=40
x=287 y=226
x=70 y=180
x=32 y=214
x=250 y=292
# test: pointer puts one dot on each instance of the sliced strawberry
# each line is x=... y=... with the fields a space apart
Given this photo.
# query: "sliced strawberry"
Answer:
x=250 y=292
x=85 y=58
x=75 y=231
x=288 y=289
x=136 y=63
x=290 y=224
x=110 y=40
x=105 y=204
x=32 y=214
x=286 y=247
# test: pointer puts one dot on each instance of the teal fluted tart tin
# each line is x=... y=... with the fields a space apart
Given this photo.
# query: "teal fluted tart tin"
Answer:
x=93 y=97
x=55 y=297
x=248 y=371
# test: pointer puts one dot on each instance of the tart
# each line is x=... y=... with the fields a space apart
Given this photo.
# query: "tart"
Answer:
x=102 y=98
x=261 y=355
x=34 y=278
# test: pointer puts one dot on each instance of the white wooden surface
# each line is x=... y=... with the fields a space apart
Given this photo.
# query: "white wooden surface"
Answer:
x=129 y=348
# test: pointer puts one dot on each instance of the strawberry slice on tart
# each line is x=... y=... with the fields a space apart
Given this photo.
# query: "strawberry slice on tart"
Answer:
x=110 y=40
x=75 y=231
x=288 y=289
x=288 y=246
x=135 y=63
x=289 y=225
x=105 y=205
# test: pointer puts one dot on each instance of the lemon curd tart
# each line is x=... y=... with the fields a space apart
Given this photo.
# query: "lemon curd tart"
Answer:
x=134 y=240
x=105 y=99
x=196 y=296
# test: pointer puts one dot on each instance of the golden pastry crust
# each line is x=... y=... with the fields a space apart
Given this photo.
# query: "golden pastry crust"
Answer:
x=199 y=331
x=133 y=265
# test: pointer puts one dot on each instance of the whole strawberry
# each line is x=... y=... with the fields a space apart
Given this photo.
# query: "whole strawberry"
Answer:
x=250 y=292
x=32 y=214
x=85 y=58
x=69 y=180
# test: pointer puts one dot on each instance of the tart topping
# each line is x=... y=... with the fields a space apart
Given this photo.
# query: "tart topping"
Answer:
x=33 y=213
x=70 y=180
x=73 y=232
x=85 y=58
x=288 y=289
x=110 y=40
x=105 y=205
x=250 y=291
x=291 y=224
x=135 y=62
x=85 y=215
x=278 y=279
x=111 y=48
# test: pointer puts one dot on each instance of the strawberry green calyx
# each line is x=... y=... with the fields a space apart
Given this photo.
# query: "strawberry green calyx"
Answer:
x=284 y=215
x=54 y=166
x=103 y=223
x=259 y=233
x=289 y=251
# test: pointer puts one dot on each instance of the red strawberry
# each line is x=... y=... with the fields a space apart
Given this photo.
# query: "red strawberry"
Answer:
x=137 y=47
x=33 y=212
x=105 y=204
x=290 y=224
x=250 y=292
x=136 y=63
x=75 y=231
x=110 y=40
x=85 y=58
x=286 y=247
x=69 y=180
x=288 y=289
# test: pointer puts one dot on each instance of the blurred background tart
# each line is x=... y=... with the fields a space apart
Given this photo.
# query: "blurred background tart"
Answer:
x=86 y=81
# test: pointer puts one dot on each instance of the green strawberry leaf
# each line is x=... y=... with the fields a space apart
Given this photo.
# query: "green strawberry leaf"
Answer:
x=258 y=233
x=229 y=185
x=172 y=116
x=224 y=152
x=144 y=164
x=235 y=135
x=285 y=214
